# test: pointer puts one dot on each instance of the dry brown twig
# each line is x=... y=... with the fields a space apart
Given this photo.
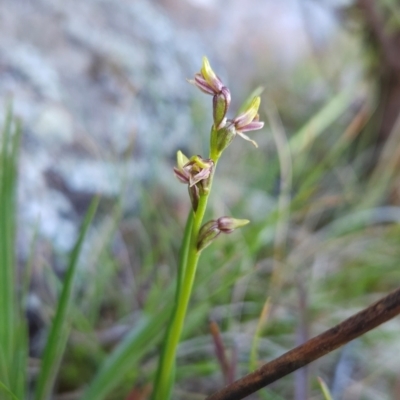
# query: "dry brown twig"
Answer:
x=353 y=327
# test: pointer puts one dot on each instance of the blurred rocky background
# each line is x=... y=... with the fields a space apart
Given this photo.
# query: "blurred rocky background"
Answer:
x=100 y=86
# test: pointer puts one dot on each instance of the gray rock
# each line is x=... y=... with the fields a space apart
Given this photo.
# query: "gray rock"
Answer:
x=94 y=82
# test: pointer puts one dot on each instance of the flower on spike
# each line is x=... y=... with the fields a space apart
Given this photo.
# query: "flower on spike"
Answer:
x=248 y=120
x=199 y=170
x=192 y=171
x=211 y=230
x=196 y=173
x=208 y=82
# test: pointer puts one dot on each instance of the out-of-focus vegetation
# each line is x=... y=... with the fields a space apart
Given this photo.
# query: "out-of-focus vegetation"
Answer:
x=322 y=195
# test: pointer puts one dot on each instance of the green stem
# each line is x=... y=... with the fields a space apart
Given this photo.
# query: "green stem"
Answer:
x=183 y=255
x=187 y=273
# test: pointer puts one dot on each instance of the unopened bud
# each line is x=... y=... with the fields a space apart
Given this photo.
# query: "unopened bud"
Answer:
x=222 y=138
x=221 y=102
x=208 y=232
x=229 y=224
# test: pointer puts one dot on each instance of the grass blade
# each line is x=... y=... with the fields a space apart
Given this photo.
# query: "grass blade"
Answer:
x=5 y=389
x=321 y=121
x=126 y=355
x=324 y=389
x=13 y=340
x=7 y=299
x=60 y=328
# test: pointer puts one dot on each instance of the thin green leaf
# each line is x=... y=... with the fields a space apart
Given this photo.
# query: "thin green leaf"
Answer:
x=20 y=356
x=7 y=283
x=127 y=355
x=60 y=328
x=8 y=391
x=324 y=389
x=13 y=339
x=262 y=320
x=321 y=121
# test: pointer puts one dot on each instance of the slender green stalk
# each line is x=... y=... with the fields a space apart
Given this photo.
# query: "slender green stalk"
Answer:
x=183 y=255
x=166 y=367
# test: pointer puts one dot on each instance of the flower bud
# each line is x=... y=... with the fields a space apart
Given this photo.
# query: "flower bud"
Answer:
x=229 y=224
x=208 y=232
x=222 y=138
x=221 y=102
